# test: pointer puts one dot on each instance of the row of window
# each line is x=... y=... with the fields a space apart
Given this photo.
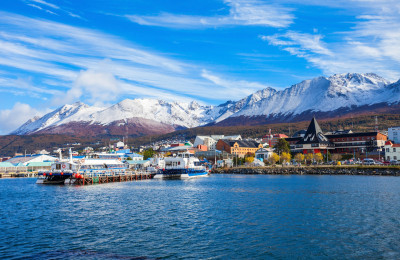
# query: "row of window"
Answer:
x=388 y=150
x=353 y=139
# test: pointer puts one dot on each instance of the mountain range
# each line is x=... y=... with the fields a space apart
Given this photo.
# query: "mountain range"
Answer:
x=325 y=97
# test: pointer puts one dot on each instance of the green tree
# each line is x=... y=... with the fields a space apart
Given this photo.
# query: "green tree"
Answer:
x=328 y=156
x=282 y=146
x=148 y=153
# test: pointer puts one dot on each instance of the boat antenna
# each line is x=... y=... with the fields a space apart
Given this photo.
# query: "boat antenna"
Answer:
x=70 y=155
x=59 y=154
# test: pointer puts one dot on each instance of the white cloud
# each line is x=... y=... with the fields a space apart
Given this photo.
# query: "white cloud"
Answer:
x=237 y=88
x=371 y=45
x=71 y=63
x=46 y=4
x=11 y=119
x=241 y=12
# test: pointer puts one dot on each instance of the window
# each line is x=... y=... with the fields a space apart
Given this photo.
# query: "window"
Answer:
x=394 y=157
x=394 y=150
x=387 y=150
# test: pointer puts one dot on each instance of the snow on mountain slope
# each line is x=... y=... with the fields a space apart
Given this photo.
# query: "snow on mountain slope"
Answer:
x=320 y=94
x=65 y=114
x=172 y=113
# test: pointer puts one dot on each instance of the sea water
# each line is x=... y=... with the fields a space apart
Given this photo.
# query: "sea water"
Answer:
x=217 y=217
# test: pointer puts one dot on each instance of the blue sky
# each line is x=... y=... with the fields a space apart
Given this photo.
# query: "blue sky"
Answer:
x=100 y=52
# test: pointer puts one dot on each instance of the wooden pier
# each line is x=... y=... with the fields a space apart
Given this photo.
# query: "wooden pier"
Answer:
x=89 y=180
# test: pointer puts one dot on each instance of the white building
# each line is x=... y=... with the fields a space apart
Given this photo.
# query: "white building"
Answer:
x=392 y=151
x=263 y=154
x=394 y=134
x=25 y=160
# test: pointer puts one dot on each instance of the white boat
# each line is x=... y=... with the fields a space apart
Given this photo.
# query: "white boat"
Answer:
x=180 y=166
x=69 y=171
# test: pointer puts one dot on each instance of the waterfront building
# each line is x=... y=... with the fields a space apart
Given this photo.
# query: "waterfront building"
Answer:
x=26 y=159
x=314 y=141
x=341 y=141
x=392 y=151
x=263 y=154
x=358 y=142
x=394 y=134
x=238 y=147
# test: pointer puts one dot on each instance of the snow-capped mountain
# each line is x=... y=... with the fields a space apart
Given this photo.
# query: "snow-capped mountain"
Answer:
x=325 y=96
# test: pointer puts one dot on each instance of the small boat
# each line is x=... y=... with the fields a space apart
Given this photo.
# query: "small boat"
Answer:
x=180 y=166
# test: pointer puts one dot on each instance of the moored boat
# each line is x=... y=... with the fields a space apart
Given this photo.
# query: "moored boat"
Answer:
x=70 y=171
x=181 y=166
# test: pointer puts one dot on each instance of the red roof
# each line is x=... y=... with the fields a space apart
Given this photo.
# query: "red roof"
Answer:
x=392 y=144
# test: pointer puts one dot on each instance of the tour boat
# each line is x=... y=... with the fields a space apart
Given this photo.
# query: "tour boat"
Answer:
x=181 y=166
x=68 y=171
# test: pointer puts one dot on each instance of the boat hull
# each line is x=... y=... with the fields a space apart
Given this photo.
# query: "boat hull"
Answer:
x=180 y=174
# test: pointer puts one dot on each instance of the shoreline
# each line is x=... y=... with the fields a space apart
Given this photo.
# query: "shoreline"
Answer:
x=312 y=170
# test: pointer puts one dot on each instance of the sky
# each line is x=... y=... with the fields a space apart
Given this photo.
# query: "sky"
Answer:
x=101 y=52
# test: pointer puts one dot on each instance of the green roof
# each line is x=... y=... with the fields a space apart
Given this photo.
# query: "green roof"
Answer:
x=39 y=164
x=137 y=161
x=6 y=164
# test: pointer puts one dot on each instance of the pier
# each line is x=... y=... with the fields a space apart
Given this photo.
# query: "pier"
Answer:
x=90 y=180
x=18 y=174
x=313 y=170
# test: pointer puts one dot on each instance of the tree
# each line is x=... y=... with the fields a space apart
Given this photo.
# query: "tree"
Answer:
x=273 y=158
x=299 y=157
x=285 y=157
x=318 y=157
x=282 y=146
x=249 y=159
x=328 y=156
x=336 y=157
x=148 y=153
x=309 y=157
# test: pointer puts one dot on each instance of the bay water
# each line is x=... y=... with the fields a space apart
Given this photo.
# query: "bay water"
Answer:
x=217 y=217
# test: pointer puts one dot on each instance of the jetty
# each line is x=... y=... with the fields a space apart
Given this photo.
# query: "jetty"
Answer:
x=89 y=180
x=313 y=170
x=69 y=178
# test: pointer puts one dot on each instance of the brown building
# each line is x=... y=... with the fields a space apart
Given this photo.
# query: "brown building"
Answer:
x=348 y=142
x=238 y=147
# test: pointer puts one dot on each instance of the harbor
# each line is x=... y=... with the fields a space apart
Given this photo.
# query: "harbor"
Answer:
x=223 y=216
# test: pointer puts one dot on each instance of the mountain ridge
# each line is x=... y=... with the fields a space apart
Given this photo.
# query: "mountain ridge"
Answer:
x=339 y=93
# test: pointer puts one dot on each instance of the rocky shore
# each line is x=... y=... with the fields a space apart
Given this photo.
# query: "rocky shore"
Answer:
x=312 y=170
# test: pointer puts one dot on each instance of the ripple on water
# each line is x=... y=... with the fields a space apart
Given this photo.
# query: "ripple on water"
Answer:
x=220 y=217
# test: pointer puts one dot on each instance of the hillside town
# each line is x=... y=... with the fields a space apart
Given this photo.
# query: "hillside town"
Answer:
x=310 y=146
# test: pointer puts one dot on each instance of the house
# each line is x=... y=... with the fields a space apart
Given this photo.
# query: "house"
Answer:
x=263 y=154
x=392 y=151
x=225 y=163
x=238 y=147
x=272 y=140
